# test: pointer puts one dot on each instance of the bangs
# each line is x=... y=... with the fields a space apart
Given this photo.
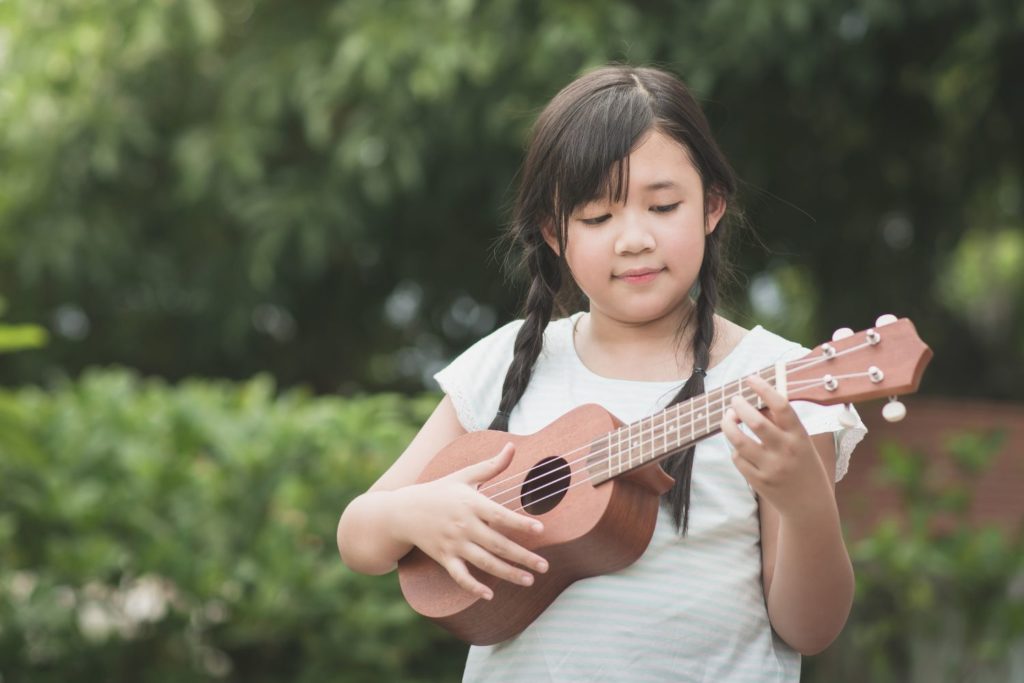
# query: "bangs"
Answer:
x=591 y=155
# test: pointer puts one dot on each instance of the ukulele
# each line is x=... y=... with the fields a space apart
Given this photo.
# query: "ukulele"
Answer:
x=596 y=483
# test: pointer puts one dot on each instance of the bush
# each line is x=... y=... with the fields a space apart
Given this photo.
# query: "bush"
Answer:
x=938 y=597
x=151 y=533
x=154 y=533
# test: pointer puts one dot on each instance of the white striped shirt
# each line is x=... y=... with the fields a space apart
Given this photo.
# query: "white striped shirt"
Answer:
x=691 y=608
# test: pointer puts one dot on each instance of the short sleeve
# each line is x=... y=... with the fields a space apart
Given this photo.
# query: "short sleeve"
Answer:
x=473 y=380
x=819 y=419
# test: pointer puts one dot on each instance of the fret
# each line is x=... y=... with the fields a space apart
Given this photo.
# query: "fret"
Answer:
x=638 y=442
x=624 y=453
x=631 y=443
x=665 y=433
x=650 y=442
x=707 y=414
x=651 y=435
x=693 y=420
x=610 y=451
x=723 y=404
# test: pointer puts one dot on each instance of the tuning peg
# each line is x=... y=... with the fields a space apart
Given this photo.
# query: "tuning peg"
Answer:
x=885 y=319
x=847 y=417
x=894 y=411
x=842 y=333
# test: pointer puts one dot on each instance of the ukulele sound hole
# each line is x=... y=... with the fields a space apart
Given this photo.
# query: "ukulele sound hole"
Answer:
x=546 y=485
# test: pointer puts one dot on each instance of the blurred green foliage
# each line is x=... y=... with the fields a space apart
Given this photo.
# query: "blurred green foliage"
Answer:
x=159 y=533
x=938 y=598
x=17 y=337
x=150 y=533
x=312 y=189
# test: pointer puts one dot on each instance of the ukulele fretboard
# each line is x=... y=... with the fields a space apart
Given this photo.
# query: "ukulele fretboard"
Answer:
x=667 y=432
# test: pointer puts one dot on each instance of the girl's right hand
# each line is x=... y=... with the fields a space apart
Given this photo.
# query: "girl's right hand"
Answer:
x=453 y=523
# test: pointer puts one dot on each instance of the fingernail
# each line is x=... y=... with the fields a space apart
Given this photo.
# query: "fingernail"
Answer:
x=542 y=566
x=537 y=526
x=486 y=594
x=527 y=579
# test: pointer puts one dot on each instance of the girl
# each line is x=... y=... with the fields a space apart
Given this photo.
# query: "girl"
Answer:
x=622 y=204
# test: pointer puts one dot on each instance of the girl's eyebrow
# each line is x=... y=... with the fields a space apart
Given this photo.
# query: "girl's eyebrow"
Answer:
x=650 y=187
x=660 y=185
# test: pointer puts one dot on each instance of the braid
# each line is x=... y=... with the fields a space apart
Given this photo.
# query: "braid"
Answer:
x=540 y=303
x=680 y=466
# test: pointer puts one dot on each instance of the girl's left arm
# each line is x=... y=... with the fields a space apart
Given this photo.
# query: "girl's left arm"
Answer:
x=808 y=577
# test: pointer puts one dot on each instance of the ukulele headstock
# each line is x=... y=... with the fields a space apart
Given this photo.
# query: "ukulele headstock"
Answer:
x=885 y=360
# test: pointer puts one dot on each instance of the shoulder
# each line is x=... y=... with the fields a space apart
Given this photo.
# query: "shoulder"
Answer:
x=759 y=344
x=756 y=345
x=500 y=343
x=473 y=380
x=728 y=335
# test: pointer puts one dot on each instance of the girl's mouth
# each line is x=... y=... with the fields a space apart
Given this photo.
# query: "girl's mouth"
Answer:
x=639 y=276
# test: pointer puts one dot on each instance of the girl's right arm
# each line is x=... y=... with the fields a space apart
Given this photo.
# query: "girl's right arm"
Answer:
x=447 y=518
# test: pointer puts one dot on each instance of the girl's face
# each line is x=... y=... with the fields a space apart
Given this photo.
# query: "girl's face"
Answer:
x=637 y=260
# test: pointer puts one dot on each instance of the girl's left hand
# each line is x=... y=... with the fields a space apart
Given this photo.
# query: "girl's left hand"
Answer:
x=785 y=468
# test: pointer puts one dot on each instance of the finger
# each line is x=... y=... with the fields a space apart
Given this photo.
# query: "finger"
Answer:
x=497 y=515
x=756 y=421
x=486 y=469
x=781 y=411
x=496 y=567
x=460 y=574
x=731 y=430
x=747 y=468
x=503 y=547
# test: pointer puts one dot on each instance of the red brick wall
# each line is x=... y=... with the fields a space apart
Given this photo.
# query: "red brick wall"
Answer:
x=999 y=492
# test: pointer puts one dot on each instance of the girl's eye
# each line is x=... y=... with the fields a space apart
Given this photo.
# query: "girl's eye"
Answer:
x=595 y=221
x=666 y=208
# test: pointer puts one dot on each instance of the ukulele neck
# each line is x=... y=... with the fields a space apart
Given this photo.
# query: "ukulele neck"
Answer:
x=667 y=432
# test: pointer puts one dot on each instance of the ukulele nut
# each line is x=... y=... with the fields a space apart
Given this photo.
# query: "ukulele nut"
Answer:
x=875 y=374
x=873 y=336
x=828 y=350
x=831 y=383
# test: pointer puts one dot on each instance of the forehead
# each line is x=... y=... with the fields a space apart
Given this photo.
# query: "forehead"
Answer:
x=659 y=161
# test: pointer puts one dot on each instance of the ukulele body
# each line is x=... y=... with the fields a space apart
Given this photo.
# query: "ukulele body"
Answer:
x=588 y=530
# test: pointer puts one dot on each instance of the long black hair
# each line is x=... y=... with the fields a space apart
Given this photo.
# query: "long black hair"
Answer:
x=578 y=151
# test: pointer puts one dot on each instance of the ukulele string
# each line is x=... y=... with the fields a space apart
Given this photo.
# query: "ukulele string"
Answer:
x=605 y=458
x=797 y=365
x=692 y=410
x=804 y=363
x=602 y=455
x=515 y=477
x=586 y=480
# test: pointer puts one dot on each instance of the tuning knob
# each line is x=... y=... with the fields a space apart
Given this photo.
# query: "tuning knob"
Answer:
x=847 y=417
x=842 y=333
x=894 y=411
x=885 y=319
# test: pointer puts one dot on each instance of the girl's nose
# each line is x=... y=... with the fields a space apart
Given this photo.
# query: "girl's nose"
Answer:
x=634 y=237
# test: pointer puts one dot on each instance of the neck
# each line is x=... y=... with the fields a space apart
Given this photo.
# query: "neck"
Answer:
x=667 y=432
x=652 y=350
x=614 y=332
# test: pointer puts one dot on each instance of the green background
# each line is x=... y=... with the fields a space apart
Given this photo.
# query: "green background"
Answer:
x=237 y=238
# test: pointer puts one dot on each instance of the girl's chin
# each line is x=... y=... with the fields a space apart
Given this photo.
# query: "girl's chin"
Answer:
x=644 y=313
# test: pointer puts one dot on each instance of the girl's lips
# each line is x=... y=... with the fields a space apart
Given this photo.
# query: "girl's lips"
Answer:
x=639 y=277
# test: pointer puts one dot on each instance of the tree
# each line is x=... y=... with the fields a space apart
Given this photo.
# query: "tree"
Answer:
x=224 y=187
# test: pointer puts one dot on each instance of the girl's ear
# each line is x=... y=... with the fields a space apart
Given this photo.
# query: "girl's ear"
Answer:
x=715 y=210
x=549 y=237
